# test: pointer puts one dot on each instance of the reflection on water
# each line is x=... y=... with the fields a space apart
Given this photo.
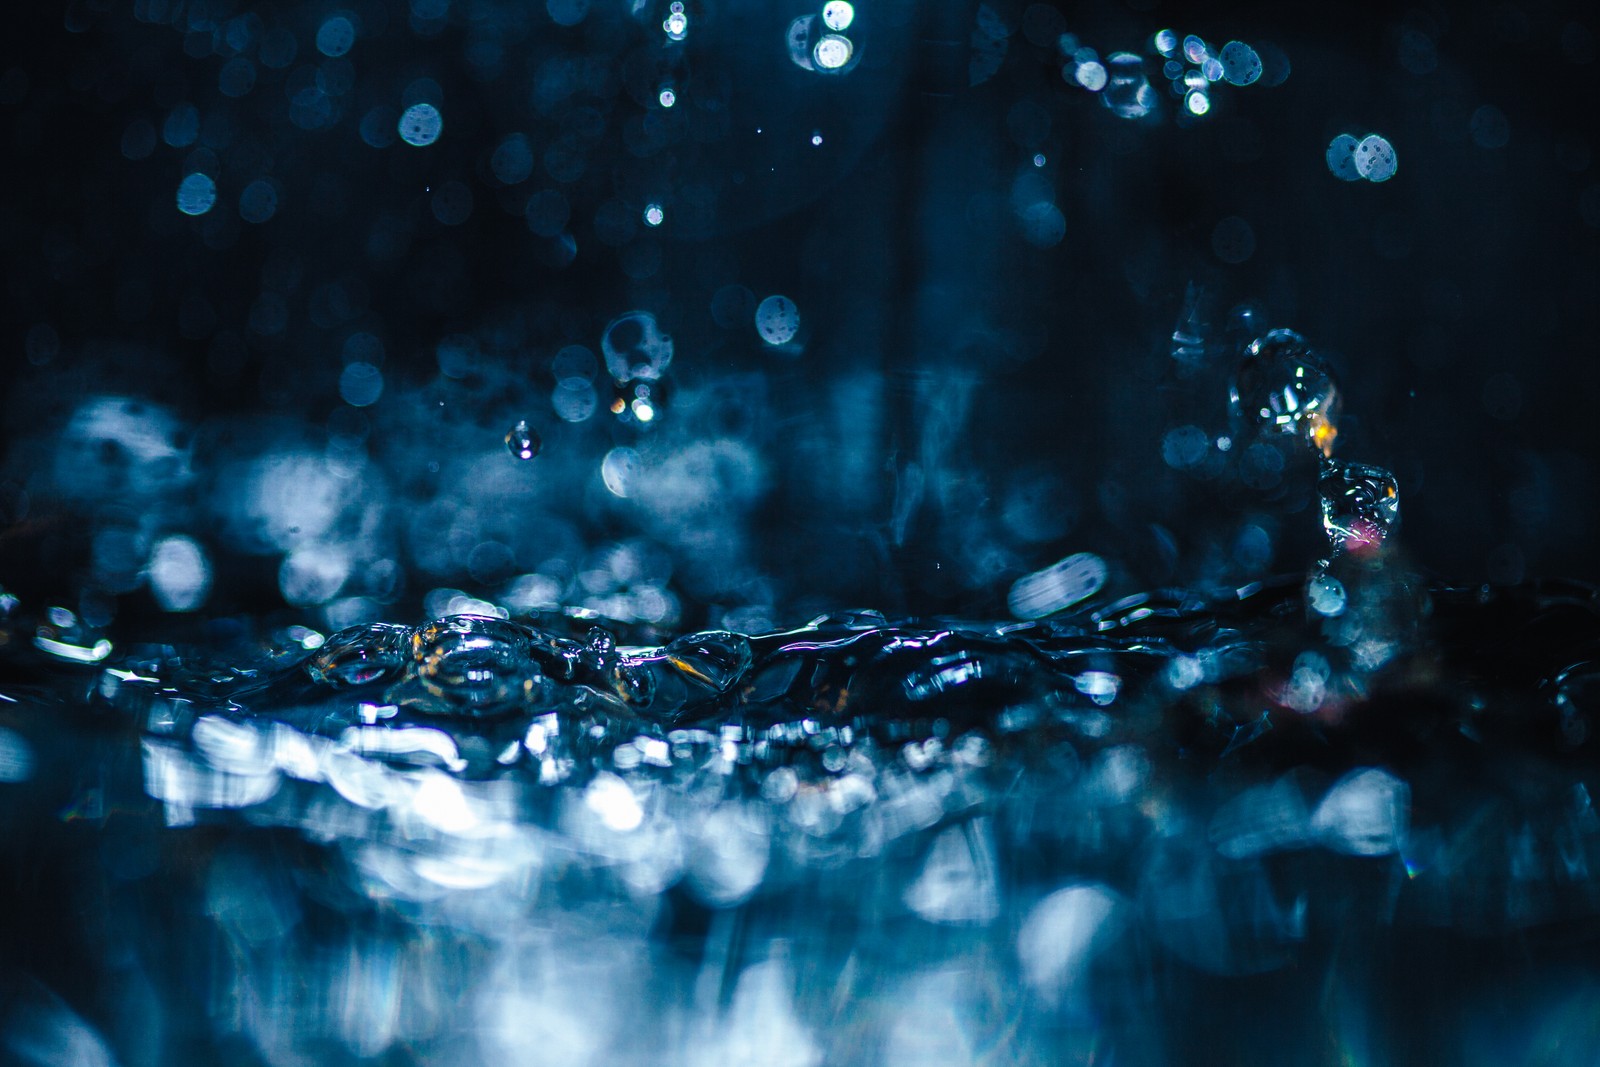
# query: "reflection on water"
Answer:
x=1168 y=819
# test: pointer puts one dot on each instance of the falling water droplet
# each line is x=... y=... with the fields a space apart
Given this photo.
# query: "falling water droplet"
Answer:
x=523 y=440
x=1282 y=387
x=1360 y=505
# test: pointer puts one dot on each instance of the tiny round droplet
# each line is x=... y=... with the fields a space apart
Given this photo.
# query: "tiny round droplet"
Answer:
x=523 y=441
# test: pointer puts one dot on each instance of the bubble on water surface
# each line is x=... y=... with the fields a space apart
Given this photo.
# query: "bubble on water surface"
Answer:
x=777 y=320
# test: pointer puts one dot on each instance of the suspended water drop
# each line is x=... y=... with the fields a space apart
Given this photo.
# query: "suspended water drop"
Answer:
x=523 y=440
x=1282 y=387
x=1360 y=505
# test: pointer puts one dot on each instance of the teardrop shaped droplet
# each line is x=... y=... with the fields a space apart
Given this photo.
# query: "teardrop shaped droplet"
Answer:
x=1360 y=505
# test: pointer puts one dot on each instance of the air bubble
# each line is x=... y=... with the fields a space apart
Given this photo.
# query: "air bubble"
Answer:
x=470 y=664
x=523 y=441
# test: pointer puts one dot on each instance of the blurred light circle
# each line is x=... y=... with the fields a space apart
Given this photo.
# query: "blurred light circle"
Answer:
x=336 y=37
x=832 y=51
x=196 y=194
x=1375 y=158
x=361 y=384
x=259 y=201
x=838 y=15
x=1341 y=157
x=420 y=125
x=777 y=320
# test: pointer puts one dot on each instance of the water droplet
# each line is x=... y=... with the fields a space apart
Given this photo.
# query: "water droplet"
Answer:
x=523 y=440
x=360 y=655
x=837 y=15
x=654 y=215
x=470 y=664
x=1360 y=505
x=1282 y=387
x=816 y=139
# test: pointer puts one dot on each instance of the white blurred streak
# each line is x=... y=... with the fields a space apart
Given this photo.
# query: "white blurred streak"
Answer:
x=1262 y=819
x=1364 y=814
x=1117 y=775
x=184 y=783
x=728 y=855
x=38 y=1029
x=1061 y=938
x=16 y=756
x=958 y=883
x=1057 y=586
x=761 y=1028
x=410 y=744
x=929 y=1029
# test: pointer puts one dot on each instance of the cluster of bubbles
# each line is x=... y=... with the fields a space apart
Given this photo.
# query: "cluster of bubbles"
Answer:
x=818 y=42
x=1371 y=158
x=1192 y=67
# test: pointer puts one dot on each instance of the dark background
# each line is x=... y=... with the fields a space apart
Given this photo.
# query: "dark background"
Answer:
x=963 y=404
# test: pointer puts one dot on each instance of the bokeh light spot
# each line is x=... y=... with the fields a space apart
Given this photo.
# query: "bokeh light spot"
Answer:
x=196 y=194
x=420 y=125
